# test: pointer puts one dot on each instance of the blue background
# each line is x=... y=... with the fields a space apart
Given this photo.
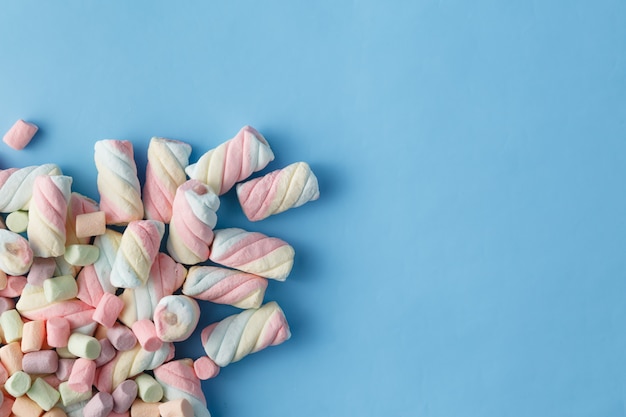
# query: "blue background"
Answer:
x=466 y=257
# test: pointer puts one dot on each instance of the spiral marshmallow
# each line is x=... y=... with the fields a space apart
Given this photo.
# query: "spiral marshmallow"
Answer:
x=16 y=185
x=180 y=381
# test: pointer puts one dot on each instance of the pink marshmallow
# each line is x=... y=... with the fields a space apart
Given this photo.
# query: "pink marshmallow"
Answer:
x=6 y=304
x=57 y=331
x=40 y=362
x=33 y=335
x=20 y=134
x=41 y=270
x=121 y=337
x=65 y=369
x=124 y=395
x=205 y=368
x=15 y=285
x=107 y=352
x=100 y=405
x=82 y=375
x=108 y=309
x=145 y=331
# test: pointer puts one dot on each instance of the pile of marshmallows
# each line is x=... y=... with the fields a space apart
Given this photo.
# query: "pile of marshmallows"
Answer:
x=83 y=305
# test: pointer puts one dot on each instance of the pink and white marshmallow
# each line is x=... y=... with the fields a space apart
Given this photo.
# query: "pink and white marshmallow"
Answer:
x=180 y=381
x=16 y=255
x=176 y=317
x=16 y=185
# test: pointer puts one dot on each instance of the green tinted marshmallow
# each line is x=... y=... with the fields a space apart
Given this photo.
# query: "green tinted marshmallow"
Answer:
x=60 y=288
x=12 y=325
x=148 y=389
x=43 y=394
x=81 y=255
x=70 y=397
x=17 y=221
x=84 y=346
x=17 y=384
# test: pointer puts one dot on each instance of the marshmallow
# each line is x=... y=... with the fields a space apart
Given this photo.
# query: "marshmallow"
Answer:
x=64 y=369
x=179 y=381
x=83 y=346
x=47 y=214
x=41 y=270
x=20 y=134
x=205 y=368
x=278 y=191
x=54 y=412
x=43 y=394
x=16 y=185
x=146 y=334
x=33 y=305
x=124 y=395
x=40 y=362
x=143 y=409
x=109 y=307
x=120 y=195
x=252 y=252
x=247 y=332
x=70 y=397
x=78 y=206
x=121 y=337
x=11 y=357
x=167 y=160
x=14 y=286
x=6 y=304
x=6 y=407
x=60 y=288
x=82 y=375
x=166 y=276
x=225 y=286
x=33 y=335
x=138 y=248
x=16 y=255
x=232 y=161
x=81 y=255
x=25 y=407
x=193 y=220
x=12 y=326
x=180 y=407
x=17 y=221
x=149 y=390
x=3 y=280
x=100 y=405
x=94 y=280
x=57 y=331
x=176 y=317
x=90 y=224
x=107 y=352
x=17 y=384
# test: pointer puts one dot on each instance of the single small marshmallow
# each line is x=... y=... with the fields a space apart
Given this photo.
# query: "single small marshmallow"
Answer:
x=54 y=412
x=40 y=362
x=25 y=407
x=60 y=288
x=84 y=346
x=17 y=384
x=41 y=270
x=149 y=390
x=64 y=369
x=100 y=405
x=43 y=394
x=143 y=409
x=81 y=255
x=107 y=352
x=78 y=205
x=12 y=325
x=15 y=286
x=70 y=397
x=90 y=224
x=121 y=337
x=176 y=317
x=108 y=309
x=16 y=255
x=33 y=335
x=11 y=357
x=180 y=407
x=20 y=134
x=17 y=221
x=124 y=395
x=57 y=331
x=146 y=334
x=205 y=368
x=82 y=375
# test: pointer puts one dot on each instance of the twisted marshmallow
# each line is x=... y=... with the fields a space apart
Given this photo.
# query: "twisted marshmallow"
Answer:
x=225 y=286
x=166 y=276
x=138 y=248
x=118 y=185
x=78 y=204
x=239 y=335
x=165 y=172
x=95 y=279
x=232 y=161
x=252 y=252
x=193 y=220
x=47 y=214
x=180 y=381
x=16 y=185
x=278 y=191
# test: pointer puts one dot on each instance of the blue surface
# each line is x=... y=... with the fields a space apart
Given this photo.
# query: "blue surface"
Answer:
x=466 y=257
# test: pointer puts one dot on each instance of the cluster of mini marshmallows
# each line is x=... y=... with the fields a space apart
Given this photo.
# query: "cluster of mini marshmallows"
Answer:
x=89 y=314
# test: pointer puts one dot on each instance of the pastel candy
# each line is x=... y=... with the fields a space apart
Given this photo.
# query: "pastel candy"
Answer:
x=232 y=161
x=180 y=407
x=11 y=357
x=252 y=252
x=100 y=405
x=6 y=304
x=94 y=280
x=47 y=214
x=84 y=346
x=57 y=331
x=146 y=334
x=33 y=335
x=40 y=362
x=41 y=270
x=64 y=369
x=16 y=185
x=17 y=221
x=81 y=255
x=54 y=412
x=121 y=337
x=107 y=352
x=16 y=255
x=25 y=407
x=180 y=381
x=247 y=332
x=17 y=384
x=120 y=194
x=124 y=395
x=79 y=205
x=82 y=375
x=167 y=160
x=278 y=191
x=141 y=408
x=12 y=325
x=205 y=368
x=193 y=220
x=43 y=394
x=70 y=397
x=149 y=390
x=90 y=224
x=166 y=276
x=60 y=288
x=109 y=307
x=130 y=363
x=138 y=248
x=176 y=317
x=225 y=286
x=20 y=134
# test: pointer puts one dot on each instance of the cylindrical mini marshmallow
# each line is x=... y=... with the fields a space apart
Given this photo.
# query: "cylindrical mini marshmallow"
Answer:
x=180 y=381
x=107 y=352
x=176 y=317
x=16 y=255
x=43 y=394
x=100 y=405
x=33 y=335
x=17 y=221
x=83 y=346
x=108 y=309
x=11 y=357
x=90 y=224
x=205 y=368
x=124 y=395
x=54 y=412
x=81 y=255
x=15 y=286
x=60 y=288
x=12 y=325
x=25 y=407
x=82 y=375
x=20 y=134
x=41 y=270
x=148 y=388
x=145 y=331
x=40 y=362
x=17 y=384
x=64 y=353
x=57 y=331
x=144 y=409
x=180 y=407
x=64 y=369
x=7 y=405
x=78 y=205
x=121 y=337
x=69 y=396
